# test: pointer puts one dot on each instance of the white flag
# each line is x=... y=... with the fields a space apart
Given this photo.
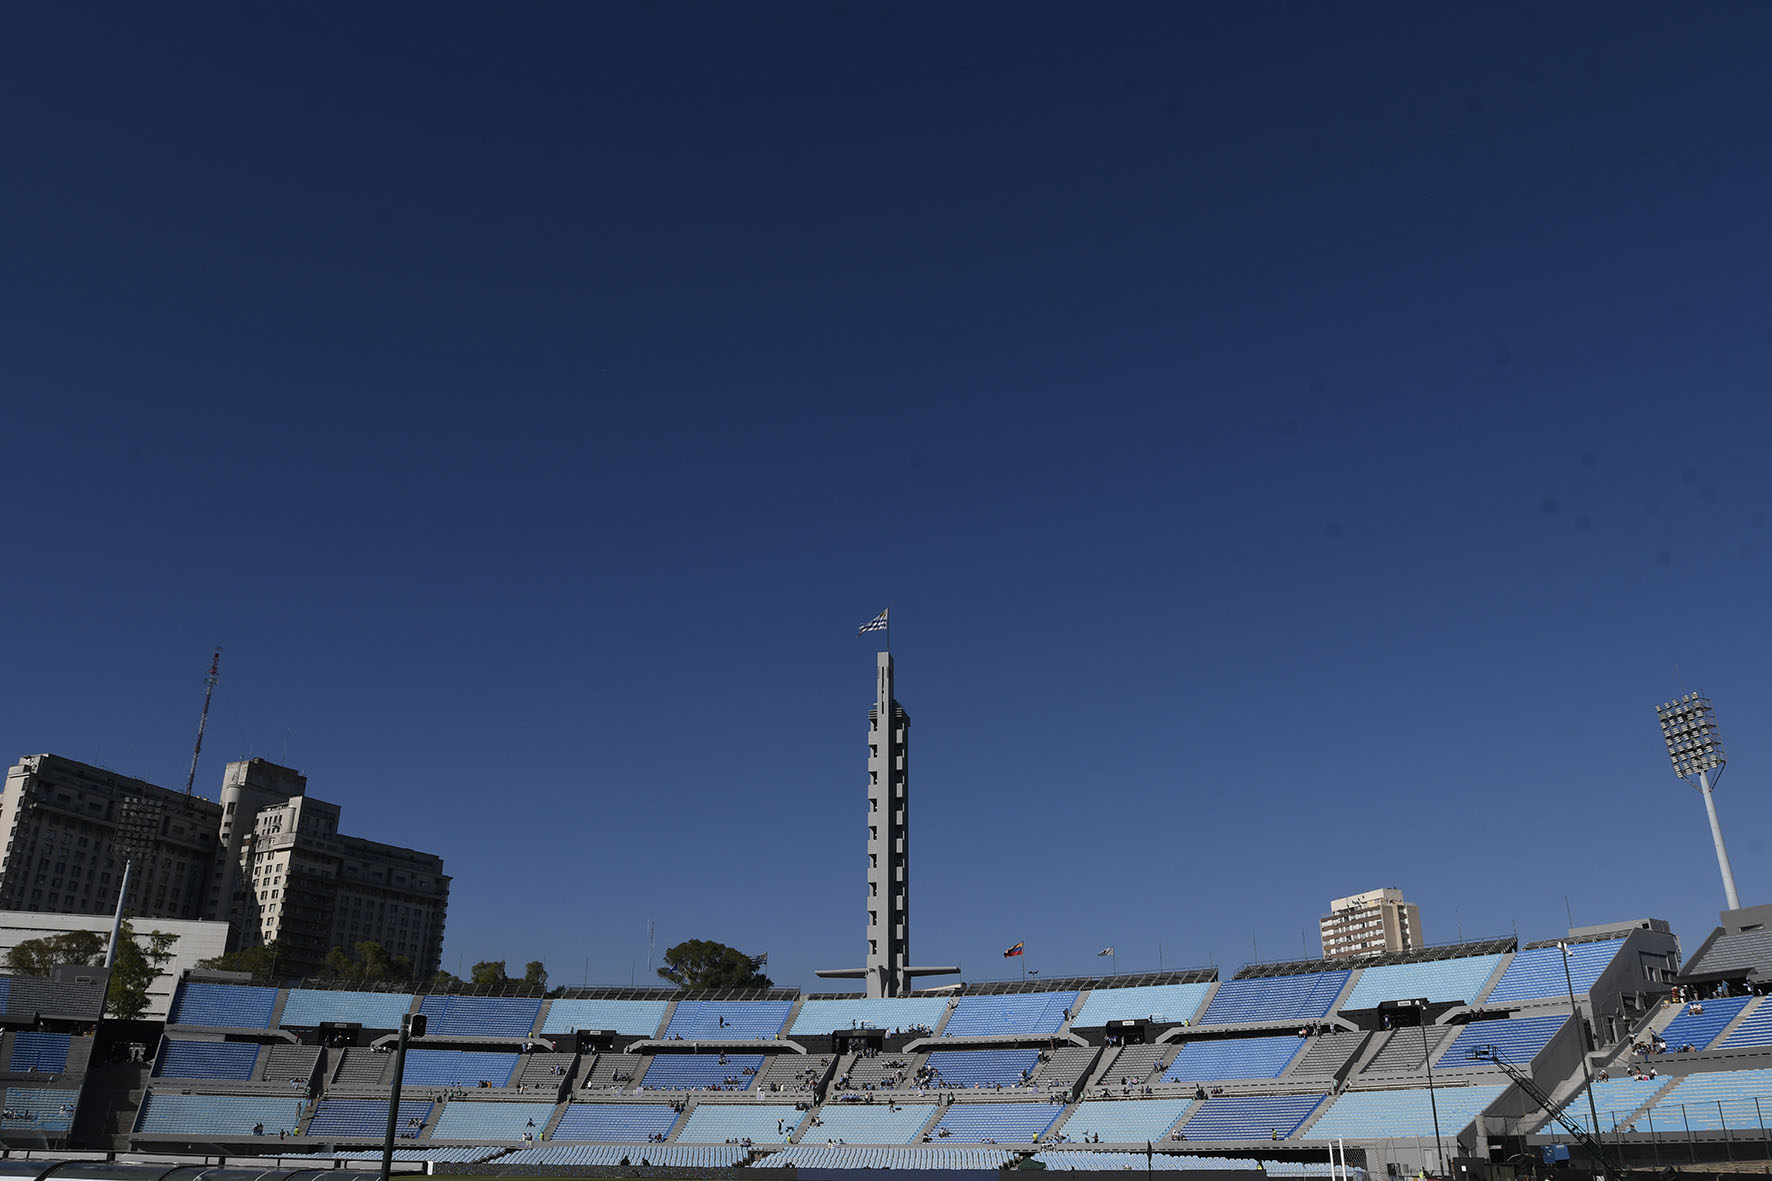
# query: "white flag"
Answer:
x=876 y=624
x=1105 y=951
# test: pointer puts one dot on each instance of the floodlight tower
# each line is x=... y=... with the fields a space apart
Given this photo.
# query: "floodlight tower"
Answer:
x=1689 y=726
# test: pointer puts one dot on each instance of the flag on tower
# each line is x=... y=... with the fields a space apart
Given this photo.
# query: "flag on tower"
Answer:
x=1106 y=951
x=1013 y=951
x=876 y=624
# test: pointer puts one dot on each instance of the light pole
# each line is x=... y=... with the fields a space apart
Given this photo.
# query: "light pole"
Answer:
x=1433 y=1103
x=1581 y=1032
x=1689 y=727
x=414 y=1024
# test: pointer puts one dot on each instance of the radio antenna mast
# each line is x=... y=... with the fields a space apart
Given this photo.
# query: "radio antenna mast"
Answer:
x=202 y=721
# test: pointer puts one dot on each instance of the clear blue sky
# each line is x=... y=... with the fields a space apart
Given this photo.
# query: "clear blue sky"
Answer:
x=1298 y=444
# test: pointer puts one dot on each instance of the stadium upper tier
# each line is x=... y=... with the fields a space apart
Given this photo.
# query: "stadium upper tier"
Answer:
x=1234 y=1058
x=889 y=1013
x=630 y=1018
x=223 y=1006
x=1517 y=1039
x=306 y=1007
x=505 y=1017
x=1360 y=1115
x=1305 y=997
x=1438 y=980
x=1165 y=1004
x=1537 y=973
x=1020 y=1014
x=728 y=1020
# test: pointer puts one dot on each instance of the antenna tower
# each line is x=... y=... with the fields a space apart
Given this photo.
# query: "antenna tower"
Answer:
x=203 y=720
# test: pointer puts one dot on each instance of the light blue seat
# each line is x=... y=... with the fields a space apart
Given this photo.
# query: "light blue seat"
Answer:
x=306 y=1008
x=761 y=1123
x=1071 y=1160
x=485 y=1122
x=983 y=1068
x=1305 y=997
x=1166 y=1004
x=45 y=1053
x=629 y=1018
x=1437 y=980
x=1250 y=1117
x=223 y=1006
x=672 y=1156
x=39 y=1109
x=702 y=1072
x=728 y=1020
x=1755 y=1029
x=928 y=1157
x=1735 y=1099
x=869 y=1123
x=1235 y=1057
x=1537 y=973
x=480 y=1016
x=1372 y=1115
x=459 y=1068
x=1017 y=1013
x=170 y=1114
x=888 y=1013
x=615 y=1123
x=1519 y=1039
x=1124 y=1121
x=212 y=1060
x=998 y=1123
x=366 y=1119
x=1614 y=1101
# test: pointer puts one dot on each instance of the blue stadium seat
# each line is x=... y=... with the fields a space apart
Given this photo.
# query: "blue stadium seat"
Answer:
x=629 y=1018
x=869 y=1123
x=1306 y=997
x=702 y=1072
x=1250 y=1117
x=223 y=1006
x=1124 y=1121
x=1018 y=1013
x=1518 y=1038
x=214 y=1060
x=1437 y=980
x=366 y=1119
x=168 y=1113
x=1755 y=1029
x=44 y=1053
x=510 y=1017
x=728 y=1020
x=914 y=1160
x=889 y=1013
x=1236 y=1057
x=996 y=1123
x=671 y=1156
x=1700 y=1029
x=1360 y=1115
x=716 y=1123
x=983 y=1068
x=308 y=1007
x=459 y=1068
x=1169 y=1004
x=1537 y=973
x=1735 y=1099
x=615 y=1123
x=486 y=1122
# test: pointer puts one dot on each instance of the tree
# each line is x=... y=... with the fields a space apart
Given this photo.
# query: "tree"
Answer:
x=39 y=957
x=488 y=972
x=702 y=963
x=369 y=963
x=268 y=962
x=535 y=973
x=135 y=970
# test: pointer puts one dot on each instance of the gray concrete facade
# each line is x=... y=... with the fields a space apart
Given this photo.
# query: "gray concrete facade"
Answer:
x=889 y=839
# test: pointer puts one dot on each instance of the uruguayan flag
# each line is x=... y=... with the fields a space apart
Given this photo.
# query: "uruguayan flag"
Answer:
x=876 y=624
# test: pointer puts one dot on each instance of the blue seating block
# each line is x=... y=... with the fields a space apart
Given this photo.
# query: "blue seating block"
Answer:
x=459 y=1068
x=729 y=1020
x=308 y=1007
x=223 y=1006
x=1018 y=1013
x=1754 y=1030
x=366 y=1119
x=615 y=1123
x=996 y=1123
x=481 y=1016
x=1538 y=973
x=1236 y=1057
x=1306 y=997
x=1437 y=980
x=1518 y=1038
x=45 y=1053
x=214 y=1060
x=1250 y=1117
x=1700 y=1029
x=1165 y=1004
x=630 y=1018
x=701 y=1072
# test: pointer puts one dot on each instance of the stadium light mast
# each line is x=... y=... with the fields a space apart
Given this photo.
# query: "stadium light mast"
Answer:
x=1689 y=727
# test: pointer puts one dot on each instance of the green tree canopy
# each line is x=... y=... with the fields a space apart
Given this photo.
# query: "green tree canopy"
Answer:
x=702 y=963
x=367 y=963
x=269 y=962
x=37 y=957
x=136 y=969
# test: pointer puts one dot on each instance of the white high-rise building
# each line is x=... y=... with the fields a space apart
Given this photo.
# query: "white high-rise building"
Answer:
x=1365 y=924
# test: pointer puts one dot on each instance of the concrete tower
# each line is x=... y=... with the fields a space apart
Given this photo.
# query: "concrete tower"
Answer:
x=888 y=970
x=889 y=839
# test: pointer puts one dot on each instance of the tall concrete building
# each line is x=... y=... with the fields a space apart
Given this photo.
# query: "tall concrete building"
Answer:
x=888 y=970
x=268 y=859
x=1364 y=924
